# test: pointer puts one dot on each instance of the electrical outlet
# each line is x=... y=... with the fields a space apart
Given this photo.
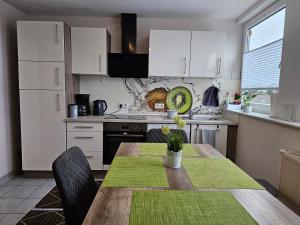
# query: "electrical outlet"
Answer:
x=123 y=105
x=159 y=106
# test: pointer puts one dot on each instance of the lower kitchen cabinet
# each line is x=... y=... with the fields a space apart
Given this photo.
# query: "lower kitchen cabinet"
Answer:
x=220 y=136
x=88 y=137
x=42 y=127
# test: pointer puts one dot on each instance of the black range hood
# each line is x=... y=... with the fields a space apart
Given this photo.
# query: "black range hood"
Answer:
x=128 y=63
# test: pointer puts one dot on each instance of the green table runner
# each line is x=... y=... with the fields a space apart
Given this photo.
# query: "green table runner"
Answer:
x=159 y=149
x=217 y=173
x=128 y=171
x=187 y=208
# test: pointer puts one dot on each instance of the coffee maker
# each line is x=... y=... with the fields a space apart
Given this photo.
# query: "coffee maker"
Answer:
x=83 y=102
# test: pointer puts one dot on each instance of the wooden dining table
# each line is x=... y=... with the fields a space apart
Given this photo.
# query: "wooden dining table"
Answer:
x=111 y=205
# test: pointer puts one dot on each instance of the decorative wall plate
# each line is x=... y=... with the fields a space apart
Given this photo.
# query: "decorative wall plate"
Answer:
x=180 y=99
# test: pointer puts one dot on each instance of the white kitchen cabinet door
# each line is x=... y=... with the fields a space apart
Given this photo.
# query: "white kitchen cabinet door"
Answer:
x=42 y=75
x=41 y=41
x=42 y=127
x=207 y=53
x=169 y=53
x=89 y=50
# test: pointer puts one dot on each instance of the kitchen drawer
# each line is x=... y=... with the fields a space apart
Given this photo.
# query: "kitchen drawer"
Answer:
x=76 y=126
x=95 y=159
x=87 y=141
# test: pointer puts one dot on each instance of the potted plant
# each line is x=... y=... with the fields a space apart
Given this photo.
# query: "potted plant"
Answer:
x=247 y=98
x=175 y=142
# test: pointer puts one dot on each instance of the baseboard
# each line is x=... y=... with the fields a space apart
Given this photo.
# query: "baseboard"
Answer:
x=6 y=178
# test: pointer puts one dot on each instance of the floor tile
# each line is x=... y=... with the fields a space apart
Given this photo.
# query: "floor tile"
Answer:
x=34 y=182
x=8 y=205
x=2 y=216
x=20 y=192
x=5 y=189
x=40 y=192
x=11 y=219
x=15 y=181
x=50 y=182
x=26 y=206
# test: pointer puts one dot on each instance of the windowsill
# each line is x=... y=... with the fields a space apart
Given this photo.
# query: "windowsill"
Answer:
x=268 y=118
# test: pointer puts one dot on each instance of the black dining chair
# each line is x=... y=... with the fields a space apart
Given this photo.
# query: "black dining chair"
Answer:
x=75 y=183
x=156 y=135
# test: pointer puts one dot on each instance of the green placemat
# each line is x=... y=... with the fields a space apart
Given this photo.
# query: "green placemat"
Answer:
x=134 y=171
x=217 y=173
x=159 y=149
x=187 y=208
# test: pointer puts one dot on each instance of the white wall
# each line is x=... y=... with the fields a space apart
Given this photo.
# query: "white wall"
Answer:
x=289 y=87
x=258 y=145
x=9 y=99
x=113 y=90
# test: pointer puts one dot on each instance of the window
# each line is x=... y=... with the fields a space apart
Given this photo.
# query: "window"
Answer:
x=262 y=57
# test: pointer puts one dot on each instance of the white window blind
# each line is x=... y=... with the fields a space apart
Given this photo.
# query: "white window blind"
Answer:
x=261 y=67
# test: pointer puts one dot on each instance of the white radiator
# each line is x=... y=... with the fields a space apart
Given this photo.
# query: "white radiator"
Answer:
x=290 y=175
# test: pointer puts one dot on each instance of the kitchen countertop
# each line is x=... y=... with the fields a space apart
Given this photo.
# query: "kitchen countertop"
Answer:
x=151 y=119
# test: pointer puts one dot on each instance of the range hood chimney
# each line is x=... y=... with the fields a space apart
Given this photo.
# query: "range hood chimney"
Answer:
x=128 y=24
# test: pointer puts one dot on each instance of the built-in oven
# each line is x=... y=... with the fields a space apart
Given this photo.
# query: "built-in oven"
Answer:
x=116 y=133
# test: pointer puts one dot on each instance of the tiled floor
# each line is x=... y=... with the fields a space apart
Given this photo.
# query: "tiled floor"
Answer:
x=19 y=196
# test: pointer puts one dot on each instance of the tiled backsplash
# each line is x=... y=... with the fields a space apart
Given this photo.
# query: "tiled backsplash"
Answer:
x=133 y=91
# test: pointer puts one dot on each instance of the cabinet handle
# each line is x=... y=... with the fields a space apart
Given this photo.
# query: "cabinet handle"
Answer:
x=88 y=127
x=57 y=82
x=100 y=63
x=219 y=66
x=184 y=71
x=56 y=34
x=89 y=156
x=57 y=102
x=84 y=137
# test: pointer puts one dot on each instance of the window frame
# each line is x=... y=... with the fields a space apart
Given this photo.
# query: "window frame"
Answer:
x=273 y=9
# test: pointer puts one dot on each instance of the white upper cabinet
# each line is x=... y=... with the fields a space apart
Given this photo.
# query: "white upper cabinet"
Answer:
x=89 y=50
x=207 y=53
x=42 y=75
x=41 y=41
x=169 y=53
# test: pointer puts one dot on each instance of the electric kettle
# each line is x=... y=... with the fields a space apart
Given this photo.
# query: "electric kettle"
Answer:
x=100 y=107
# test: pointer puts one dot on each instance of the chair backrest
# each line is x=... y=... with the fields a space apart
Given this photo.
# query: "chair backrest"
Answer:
x=76 y=184
x=156 y=135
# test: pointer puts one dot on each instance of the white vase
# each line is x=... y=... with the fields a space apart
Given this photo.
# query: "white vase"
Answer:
x=248 y=109
x=173 y=159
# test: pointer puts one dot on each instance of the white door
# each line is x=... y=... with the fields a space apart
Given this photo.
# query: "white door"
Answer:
x=169 y=53
x=41 y=41
x=42 y=75
x=42 y=127
x=207 y=53
x=89 y=50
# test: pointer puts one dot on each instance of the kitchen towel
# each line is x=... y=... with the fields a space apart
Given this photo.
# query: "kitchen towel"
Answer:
x=211 y=97
x=208 y=137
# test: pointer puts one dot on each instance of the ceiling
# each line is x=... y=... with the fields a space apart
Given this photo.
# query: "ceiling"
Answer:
x=212 y=9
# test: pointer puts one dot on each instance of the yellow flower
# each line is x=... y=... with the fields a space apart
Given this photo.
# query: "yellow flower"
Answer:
x=165 y=130
x=181 y=124
x=177 y=119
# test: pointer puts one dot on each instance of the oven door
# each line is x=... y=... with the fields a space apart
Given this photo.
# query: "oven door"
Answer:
x=112 y=141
